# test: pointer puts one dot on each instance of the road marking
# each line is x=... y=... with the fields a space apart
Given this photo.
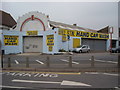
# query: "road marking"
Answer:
x=72 y=83
x=30 y=81
x=16 y=62
x=102 y=73
x=68 y=61
x=63 y=73
x=105 y=61
x=39 y=62
x=64 y=82
x=111 y=74
x=11 y=86
x=91 y=72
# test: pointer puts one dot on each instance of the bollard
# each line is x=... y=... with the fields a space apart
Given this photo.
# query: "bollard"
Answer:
x=48 y=62
x=119 y=70
x=70 y=61
x=2 y=58
x=92 y=61
x=119 y=62
x=9 y=62
x=27 y=62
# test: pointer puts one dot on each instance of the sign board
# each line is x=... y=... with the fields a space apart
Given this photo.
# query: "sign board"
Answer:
x=50 y=40
x=50 y=48
x=31 y=33
x=64 y=38
x=10 y=40
x=82 y=34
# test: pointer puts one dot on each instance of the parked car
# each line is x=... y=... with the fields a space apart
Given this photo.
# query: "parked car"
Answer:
x=83 y=48
x=115 y=50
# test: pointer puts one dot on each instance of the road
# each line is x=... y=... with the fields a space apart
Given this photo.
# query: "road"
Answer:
x=53 y=80
x=62 y=61
x=41 y=80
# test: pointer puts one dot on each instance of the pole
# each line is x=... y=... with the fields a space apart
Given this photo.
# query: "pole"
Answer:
x=119 y=70
x=92 y=61
x=111 y=42
x=9 y=62
x=48 y=62
x=111 y=39
x=1 y=58
x=68 y=46
x=27 y=62
x=70 y=61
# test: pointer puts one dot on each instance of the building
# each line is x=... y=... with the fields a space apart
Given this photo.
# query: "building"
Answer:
x=34 y=32
x=6 y=24
x=6 y=21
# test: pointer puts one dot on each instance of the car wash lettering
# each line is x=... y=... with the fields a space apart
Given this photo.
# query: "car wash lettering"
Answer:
x=82 y=34
x=11 y=40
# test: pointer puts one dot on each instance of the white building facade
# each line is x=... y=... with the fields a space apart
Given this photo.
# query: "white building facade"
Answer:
x=33 y=34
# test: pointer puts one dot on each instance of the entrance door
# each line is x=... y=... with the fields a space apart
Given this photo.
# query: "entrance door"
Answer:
x=33 y=44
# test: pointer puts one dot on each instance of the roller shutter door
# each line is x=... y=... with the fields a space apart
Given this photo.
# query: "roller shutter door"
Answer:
x=95 y=44
x=33 y=44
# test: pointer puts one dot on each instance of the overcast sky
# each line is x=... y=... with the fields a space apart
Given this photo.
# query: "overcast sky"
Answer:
x=94 y=15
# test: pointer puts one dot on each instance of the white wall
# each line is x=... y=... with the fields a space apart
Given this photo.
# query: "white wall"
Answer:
x=32 y=24
x=55 y=47
x=11 y=49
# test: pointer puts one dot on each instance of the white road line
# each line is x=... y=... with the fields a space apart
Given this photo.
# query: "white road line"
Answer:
x=101 y=73
x=91 y=72
x=39 y=62
x=68 y=61
x=110 y=74
x=16 y=62
x=105 y=61
x=30 y=81
x=11 y=86
x=64 y=82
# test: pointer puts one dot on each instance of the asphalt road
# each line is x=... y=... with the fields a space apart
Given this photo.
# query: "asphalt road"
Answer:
x=62 y=61
x=41 y=80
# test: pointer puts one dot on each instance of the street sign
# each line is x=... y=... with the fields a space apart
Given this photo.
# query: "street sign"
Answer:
x=68 y=37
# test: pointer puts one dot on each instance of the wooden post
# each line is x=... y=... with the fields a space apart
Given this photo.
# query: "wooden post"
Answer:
x=92 y=61
x=70 y=61
x=48 y=62
x=9 y=62
x=27 y=62
x=2 y=58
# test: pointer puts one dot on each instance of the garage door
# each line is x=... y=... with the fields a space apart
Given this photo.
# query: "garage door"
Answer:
x=33 y=44
x=95 y=44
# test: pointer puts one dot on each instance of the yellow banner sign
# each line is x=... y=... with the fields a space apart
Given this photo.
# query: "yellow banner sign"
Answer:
x=82 y=34
x=31 y=32
x=11 y=40
x=50 y=40
x=64 y=38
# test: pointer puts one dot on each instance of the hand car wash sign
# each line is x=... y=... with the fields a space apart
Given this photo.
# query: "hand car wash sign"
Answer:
x=50 y=42
x=10 y=40
x=82 y=34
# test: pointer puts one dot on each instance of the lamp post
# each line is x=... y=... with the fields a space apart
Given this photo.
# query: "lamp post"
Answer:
x=111 y=32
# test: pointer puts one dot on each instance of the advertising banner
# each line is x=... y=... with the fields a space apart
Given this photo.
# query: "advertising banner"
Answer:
x=31 y=33
x=82 y=34
x=10 y=40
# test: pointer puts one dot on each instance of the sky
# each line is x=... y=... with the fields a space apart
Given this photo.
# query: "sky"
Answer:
x=93 y=15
